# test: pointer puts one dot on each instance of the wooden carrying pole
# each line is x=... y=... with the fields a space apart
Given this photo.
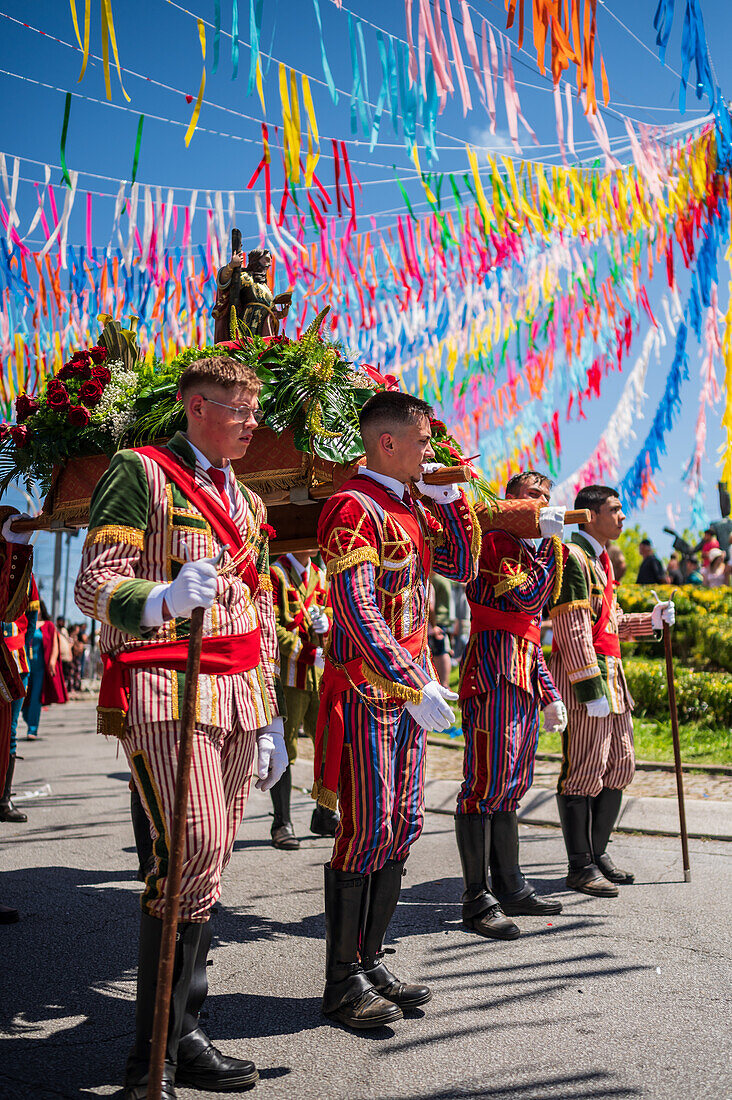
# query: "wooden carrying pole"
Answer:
x=175 y=864
x=677 y=749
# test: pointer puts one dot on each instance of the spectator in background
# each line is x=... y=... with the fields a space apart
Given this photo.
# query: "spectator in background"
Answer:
x=716 y=572
x=620 y=565
x=651 y=568
x=675 y=575
x=691 y=571
x=66 y=655
x=708 y=543
x=46 y=684
x=440 y=627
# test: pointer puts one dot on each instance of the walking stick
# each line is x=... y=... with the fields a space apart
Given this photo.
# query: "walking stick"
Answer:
x=175 y=864
x=677 y=748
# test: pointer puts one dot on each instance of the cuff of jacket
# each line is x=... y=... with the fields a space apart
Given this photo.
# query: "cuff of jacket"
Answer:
x=587 y=690
x=127 y=604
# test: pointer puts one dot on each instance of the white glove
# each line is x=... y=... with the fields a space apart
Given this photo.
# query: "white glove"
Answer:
x=195 y=586
x=555 y=717
x=272 y=757
x=18 y=537
x=443 y=494
x=319 y=662
x=662 y=613
x=432 y=711
x=551 y=522
x=320 y=621
x=598 y=708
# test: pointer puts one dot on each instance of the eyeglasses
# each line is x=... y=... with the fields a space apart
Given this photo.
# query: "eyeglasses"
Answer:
x=240 y=413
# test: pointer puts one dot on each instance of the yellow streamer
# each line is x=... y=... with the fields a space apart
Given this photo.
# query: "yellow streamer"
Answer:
x=260 y=89
x=108 y=36
x=295 y=109
x=427 y=189
x=313 y=157
x=197 y=109
x=83 y=46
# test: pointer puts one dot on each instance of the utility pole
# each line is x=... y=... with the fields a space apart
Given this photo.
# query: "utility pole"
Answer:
x=66 y=578
x=56 y=584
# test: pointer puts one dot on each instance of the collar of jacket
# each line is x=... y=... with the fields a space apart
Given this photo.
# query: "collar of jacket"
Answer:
x=579 y=540
x=182 y=449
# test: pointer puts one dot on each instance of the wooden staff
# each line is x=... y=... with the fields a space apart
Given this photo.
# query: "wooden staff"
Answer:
x=677 y=749
x=175 y=864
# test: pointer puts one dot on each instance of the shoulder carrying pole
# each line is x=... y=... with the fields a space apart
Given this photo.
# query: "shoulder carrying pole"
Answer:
x=175 y=867
x=677 y=749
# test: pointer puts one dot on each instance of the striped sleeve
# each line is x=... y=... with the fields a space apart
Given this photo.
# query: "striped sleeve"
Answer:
x=457 y=553
x=637 y=625
x=572 y=623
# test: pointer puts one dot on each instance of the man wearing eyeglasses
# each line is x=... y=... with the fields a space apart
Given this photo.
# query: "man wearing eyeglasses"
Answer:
x=170 y=530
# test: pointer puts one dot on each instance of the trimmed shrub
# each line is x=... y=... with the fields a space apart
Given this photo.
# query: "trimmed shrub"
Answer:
x=704 y=697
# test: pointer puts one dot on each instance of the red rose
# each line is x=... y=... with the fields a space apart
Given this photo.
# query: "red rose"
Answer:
x=58 y=397
x=75 y=370
x=269 y=531
x=98 y=354
x=78 y=416
x=82 y=358
x=90 y=393
x=25 y=406
x=19 y=434
x=55 y=384
x=102 y=375
x=438 y=427
x=4 y=432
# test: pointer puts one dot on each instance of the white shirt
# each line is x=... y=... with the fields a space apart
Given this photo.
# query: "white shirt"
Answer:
x=390 y=483
x=301 y=570
x=227 y=469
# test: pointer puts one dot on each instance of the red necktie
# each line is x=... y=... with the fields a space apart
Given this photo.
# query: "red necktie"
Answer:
x=604 y=560
x=220 y=479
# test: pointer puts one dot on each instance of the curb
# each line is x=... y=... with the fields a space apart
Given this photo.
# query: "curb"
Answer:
x=706 y=820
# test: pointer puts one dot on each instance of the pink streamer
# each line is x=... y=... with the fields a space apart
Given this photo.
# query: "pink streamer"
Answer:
x=560 y=124
x=444 y=59
x=570 y=119
x=599 y=129
x=489 y=86
x=458 y=59
x=472 y=48
x=410 y=42
x=88 y=223
x=509 y=96
x=514 y=94
x=425 y=20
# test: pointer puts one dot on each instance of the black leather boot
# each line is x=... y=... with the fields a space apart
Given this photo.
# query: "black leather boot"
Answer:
x=283 y=831
x=8 y=812
x=8 y=915
x=138 y=1062
x=383 y=895
x=583 y=874
x=143 y=837
x=482 y=912
x=324 y=822
x=349 y=996
x=516 y=895
x=605 y=810
x=200 y=1064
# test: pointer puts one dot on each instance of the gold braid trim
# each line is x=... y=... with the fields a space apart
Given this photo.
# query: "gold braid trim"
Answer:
x=397 y=691
x=510 y=582
x=476 y=540
x=562 y=608
x=110 y=722
x=559 y=561
x=265 y=583
x=363 y=553
x=323 y=796
x=113 y=534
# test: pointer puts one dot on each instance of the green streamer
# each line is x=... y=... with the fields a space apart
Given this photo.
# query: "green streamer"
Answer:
x=138 y=140
x=65 y=177
x=405 y=196
x=217 y=35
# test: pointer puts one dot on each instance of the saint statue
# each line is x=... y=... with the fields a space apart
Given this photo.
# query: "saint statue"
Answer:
x=244 y=298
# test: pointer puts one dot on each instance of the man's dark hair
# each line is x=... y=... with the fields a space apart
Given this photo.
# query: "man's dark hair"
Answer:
x=645 y=542
x=693 y=561
x=391 y=408
x=514 y=483
x=594 y=496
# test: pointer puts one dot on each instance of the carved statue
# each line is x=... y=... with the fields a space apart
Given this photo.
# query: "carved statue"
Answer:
x=243 y=296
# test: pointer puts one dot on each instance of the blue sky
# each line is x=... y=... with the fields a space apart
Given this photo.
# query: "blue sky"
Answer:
x=158 y=40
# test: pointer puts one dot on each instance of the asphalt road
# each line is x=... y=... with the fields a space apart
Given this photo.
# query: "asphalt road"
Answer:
x=615 y=998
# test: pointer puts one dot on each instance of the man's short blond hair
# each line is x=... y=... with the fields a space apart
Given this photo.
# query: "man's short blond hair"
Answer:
x=219 y=370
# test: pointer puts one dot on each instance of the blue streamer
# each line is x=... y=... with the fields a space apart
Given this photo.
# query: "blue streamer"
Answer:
x=384 y=95
x=662 y=22
x=326 y=67
x=255 y=34
x=234 y=38
x=694 y=49
x=217 y=35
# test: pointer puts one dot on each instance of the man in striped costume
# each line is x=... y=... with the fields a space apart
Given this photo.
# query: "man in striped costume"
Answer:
x=598 y=759
x=303 y=621
x=504 y=683
x=379 y=693
x=16 y=590
x=170 y=530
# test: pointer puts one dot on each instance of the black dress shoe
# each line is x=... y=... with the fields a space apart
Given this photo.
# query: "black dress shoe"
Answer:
x=10 y=813
x=493 y=923
x=355 y=1003
x=283 y=836
x=613 y=873
x=399 y=993
x=202 y=1066
x=588 y=880
x=8 y=915
x=138 y=1091
x=531 y=906
x=324 y=822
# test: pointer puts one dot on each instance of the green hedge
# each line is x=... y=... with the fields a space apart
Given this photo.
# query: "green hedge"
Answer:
x=702 y=634
x=704 y=697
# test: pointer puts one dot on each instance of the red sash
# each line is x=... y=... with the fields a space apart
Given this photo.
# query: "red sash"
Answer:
x=603 y=640
x=210 y=509
x=406 y=518
x=330 y=729
x=513 y=622
x=221 y=656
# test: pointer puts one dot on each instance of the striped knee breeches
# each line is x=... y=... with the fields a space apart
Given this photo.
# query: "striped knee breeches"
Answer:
x=221 y=768
x=501 y=730
x=381 y=785
x=596 y=753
